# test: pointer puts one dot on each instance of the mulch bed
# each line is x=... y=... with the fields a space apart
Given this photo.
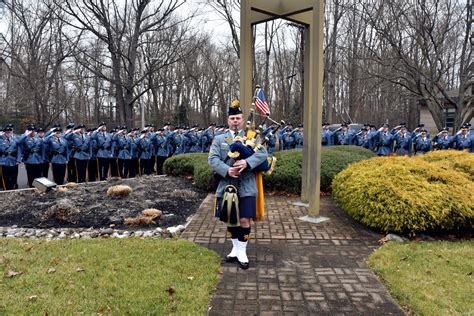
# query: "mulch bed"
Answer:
x=87 y=204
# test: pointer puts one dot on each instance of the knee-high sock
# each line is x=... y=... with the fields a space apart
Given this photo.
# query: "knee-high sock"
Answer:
x=233 y=232
x=244 y=234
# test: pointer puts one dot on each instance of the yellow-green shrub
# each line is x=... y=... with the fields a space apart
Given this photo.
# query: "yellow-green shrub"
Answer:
x=458 y=160
x=407 y=194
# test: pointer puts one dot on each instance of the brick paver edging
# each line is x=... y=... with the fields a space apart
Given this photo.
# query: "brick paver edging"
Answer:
x=296 y=267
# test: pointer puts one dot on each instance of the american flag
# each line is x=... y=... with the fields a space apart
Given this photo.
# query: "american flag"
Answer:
x=261 y=104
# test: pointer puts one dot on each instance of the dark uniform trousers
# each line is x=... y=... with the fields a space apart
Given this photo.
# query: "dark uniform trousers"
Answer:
x=81 y=166
x=160 y=160
x=114 y=168
x=133 y=171
x=103 y=165
x=9 y=177
x=45 y=169
x=92 y=170
x=59 y=172
x=71 y=170
x=33 y=171
x=124 y=166
x=145 y=166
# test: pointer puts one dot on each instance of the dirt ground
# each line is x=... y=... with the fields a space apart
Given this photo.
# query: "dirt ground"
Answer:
x=88 y=205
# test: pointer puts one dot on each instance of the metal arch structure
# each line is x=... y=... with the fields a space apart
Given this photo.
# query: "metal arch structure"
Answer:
x=310 y=14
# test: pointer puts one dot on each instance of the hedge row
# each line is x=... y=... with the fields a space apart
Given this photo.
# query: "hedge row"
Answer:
x=287 y=174
x=410 y=194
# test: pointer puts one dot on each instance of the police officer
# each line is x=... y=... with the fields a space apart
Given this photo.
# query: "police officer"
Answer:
x=422 y=143
x=10 y=158
x=92 y=165
x=207 y=137
x=384 y=141
x=146 y=151
x=402 y=140
x=326 y=135
x=270 y=137
x=178 y=140
x=194 y=140
x=105 y=148
x=124 y=147
x=40 y=133
x=33 y=153
x=343 y=135
x=81 y=150
x=297 y=135
x=288 y=140
x=463 y=140
x=71 y=170
x=58 y=153
x=162 y=152
x=442 y=140
x=134 y=169
x=362 y=138
x=239 y=174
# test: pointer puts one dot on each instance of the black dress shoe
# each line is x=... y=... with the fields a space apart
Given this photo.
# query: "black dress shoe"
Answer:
x=230 y=259
x=244 y=265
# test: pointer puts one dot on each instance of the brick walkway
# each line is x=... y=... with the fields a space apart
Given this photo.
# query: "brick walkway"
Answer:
x=296 y=267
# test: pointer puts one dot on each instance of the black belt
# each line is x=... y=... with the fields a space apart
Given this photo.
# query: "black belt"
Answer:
x=9 y=154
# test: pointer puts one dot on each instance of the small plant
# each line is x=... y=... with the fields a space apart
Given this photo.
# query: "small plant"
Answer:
x=119 y=191
x=146 y=217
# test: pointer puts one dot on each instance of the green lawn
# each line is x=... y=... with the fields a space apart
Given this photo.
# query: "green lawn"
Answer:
x=435 y=278
x=114 y=276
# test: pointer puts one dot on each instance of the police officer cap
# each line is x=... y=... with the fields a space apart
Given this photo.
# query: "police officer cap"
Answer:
x=195 y=125
x=445 y=129
x=10 y=125
x=40 y=130
x=70 y=125
x=90 y=129
x=167 y=123
x=57 y=129
x=81 y=126
x=212 y=124
x=7 y=129
x=465 y=127
x=161 y=130
x=300 y=126
x=344 y=124
x=364 y=128
x=134 y=129
x=30 y=127
x=326 y=124
x=424 y=131
x=234 y=108
x=56 y=125
x=421 y=125
x=102 y=124
x=143 y=131
x=386 y=125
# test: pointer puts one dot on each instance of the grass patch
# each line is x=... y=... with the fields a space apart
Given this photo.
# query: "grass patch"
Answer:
x=117 y=276
x=428 y=278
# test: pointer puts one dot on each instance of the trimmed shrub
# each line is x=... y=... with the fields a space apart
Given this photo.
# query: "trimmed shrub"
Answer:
x=408 y=194
x=287 y=174
x=182 y=164
x=454 y=159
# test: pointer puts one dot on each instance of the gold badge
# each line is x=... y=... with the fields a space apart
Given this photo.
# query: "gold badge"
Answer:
x=227 y=139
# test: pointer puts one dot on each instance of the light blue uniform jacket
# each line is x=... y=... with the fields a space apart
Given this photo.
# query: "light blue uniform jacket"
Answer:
x=246 y=185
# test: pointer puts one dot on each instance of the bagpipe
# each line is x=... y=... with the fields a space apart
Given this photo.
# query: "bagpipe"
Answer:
x=245 y=146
